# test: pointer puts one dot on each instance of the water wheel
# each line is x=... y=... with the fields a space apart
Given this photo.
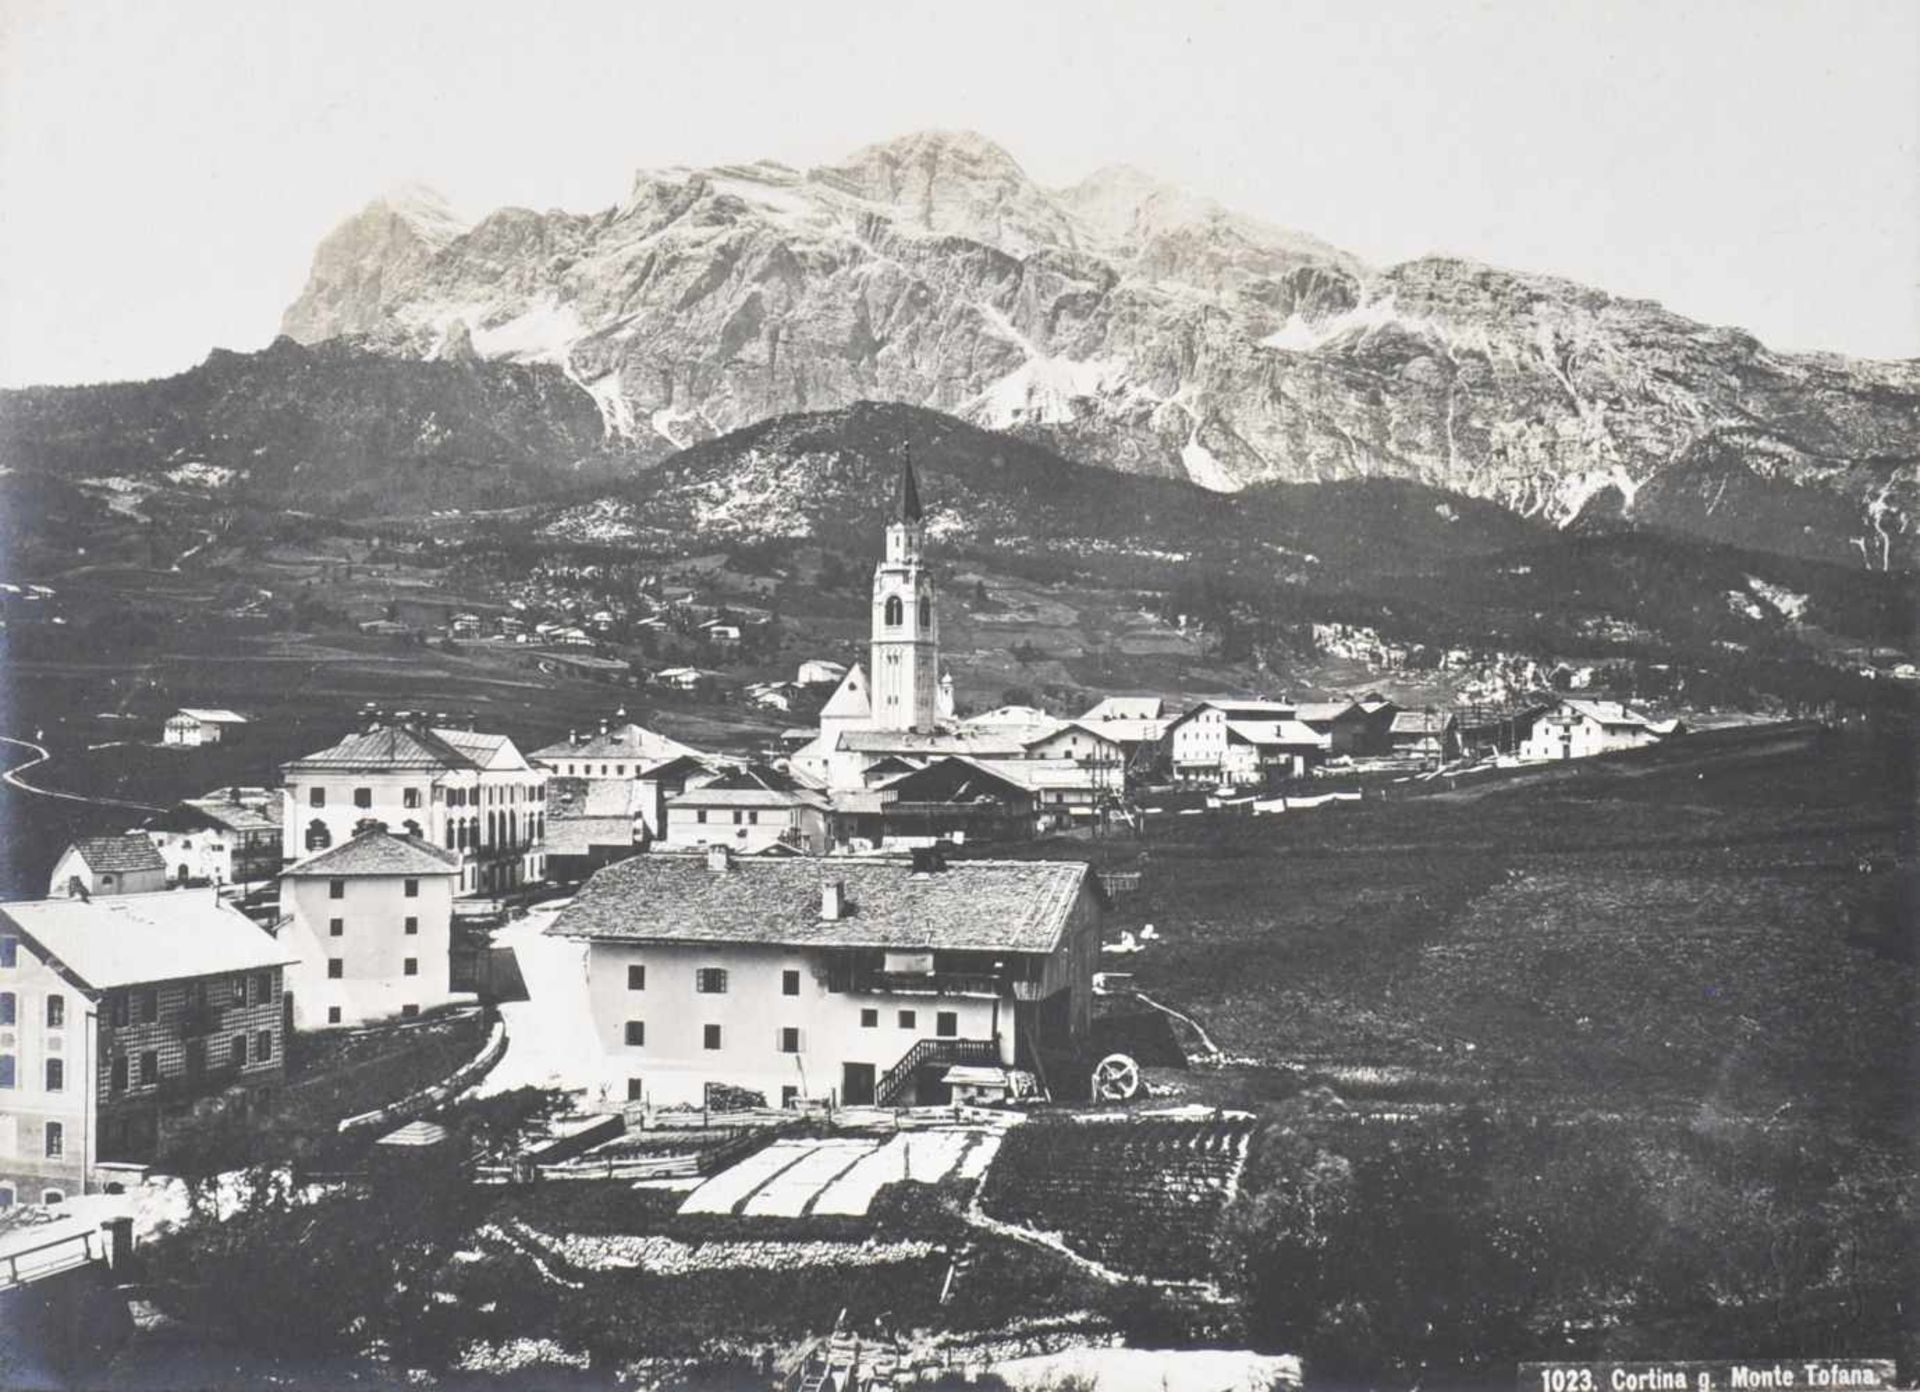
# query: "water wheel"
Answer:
x=1116 y=1078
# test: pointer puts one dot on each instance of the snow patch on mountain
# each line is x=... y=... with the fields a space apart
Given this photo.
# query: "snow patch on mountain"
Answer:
x=1203 y=468
x=543 y=332
x=1043 y=389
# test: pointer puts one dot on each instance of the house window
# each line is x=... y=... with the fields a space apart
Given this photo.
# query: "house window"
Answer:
x=316 y=797
x=336 y=927
x=412 y=890
x=149 y=1068
x=117 y=1073
x=318 y=837
x=412 y=925
x=56 y=1012
x=9 y=950
x=789 y=983
x=56 y=1140
x=410 y=967
x=6 y=1070
x=869 y=1019
x=789 y=1040
x=636 y=1092
x=636 y=976
x=363 y=797
x=407 y=1012
x=636 y=1033
x=701 y=816
x=336 y=968
x=262 y=987
x=263 y=1046
x=238 y=986
x=946 y=1024
x=753 y=818
x=333 y=1014
x=738 y=816
x=56 y=1075
x=238 y=1050
x=7 y=1008
x=710 y=981
x=149 y=1001
x=909 y=1019
x=410 y=798
x=710 y=1037
x=336 y=889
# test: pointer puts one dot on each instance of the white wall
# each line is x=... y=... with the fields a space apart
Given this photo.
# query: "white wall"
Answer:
x=674 y=1066
x=27 y=1170
x=70 y=866
x=373 y=947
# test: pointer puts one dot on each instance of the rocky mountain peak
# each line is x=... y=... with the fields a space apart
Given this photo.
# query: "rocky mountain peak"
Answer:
x=954 y=183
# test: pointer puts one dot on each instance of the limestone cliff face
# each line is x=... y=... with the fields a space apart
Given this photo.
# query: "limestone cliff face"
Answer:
x=1131 y=325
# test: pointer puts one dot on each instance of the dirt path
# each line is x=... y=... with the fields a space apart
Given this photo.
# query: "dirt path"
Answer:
x=40 y=756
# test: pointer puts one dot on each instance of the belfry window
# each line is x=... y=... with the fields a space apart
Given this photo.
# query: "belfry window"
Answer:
x=894 y=611
x=926 y=612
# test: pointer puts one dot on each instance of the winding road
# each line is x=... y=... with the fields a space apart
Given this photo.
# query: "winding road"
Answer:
x=40 y=756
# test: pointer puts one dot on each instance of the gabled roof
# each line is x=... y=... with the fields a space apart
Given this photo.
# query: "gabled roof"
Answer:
x=850 y=700
x=627 y=742
x=133 y=939
x=1001 y=717
x=194 y=814
x=386 y=747
x=1420 y=722
x=963 y=780
x=1326 y=712
x=711 y=796
x=1276 y=734
x=1126 y=708
x=377 y=853
x=118 y=854
x=212 y=717
x=1235 y=708
x=1607 y=713
x=974 y=905
x=925 y=743
x=495 y=753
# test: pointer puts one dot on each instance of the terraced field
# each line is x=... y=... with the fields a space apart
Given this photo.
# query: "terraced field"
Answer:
x=1141 y=1197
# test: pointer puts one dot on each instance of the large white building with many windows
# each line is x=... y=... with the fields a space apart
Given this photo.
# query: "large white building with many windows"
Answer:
x=121 y=1018
x=469 y=793
x=859 y=981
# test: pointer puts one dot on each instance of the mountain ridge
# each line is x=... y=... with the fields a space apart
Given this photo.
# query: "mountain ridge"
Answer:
x=1127 y=323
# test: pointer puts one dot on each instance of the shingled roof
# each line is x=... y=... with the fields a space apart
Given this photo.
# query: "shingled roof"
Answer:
x=379 y=853
x=119 y=854
x=974 y=905
x=386 y=747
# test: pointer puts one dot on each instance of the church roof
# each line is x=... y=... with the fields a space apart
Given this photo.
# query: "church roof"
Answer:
x=849 y=700
x=906 y=498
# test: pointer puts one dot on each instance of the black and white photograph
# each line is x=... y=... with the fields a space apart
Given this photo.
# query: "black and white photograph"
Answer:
x=973 y=697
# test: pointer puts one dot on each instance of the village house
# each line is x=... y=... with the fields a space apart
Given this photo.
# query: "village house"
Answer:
x=126 y=864
x=1579 y=729
x=219 y=840
x=369 y=924
x=1348 y=729
x=477 y=797
x=1250 y=743
x=191 y=728
x=749 y=810
x=859 y=981
x=952 y=798
x=120 y=1019
x=1427 y=735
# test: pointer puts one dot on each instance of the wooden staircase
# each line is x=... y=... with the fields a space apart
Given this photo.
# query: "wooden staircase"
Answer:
x=931 y=1051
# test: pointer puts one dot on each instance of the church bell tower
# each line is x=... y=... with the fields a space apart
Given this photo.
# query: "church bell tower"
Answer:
x=906 y=635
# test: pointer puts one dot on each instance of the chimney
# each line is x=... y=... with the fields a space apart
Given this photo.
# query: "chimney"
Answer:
x=603 y=728
x=833 y=901
x=573 y=737
x=719 y=859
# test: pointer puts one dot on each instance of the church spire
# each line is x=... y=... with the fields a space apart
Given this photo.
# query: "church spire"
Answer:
x=906 y=498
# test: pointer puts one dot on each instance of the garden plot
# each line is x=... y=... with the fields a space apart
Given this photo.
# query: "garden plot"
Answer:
x=1141 y=1197
x=839 y=1175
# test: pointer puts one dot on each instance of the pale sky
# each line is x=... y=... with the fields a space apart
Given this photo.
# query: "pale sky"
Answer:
x=166 y=169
